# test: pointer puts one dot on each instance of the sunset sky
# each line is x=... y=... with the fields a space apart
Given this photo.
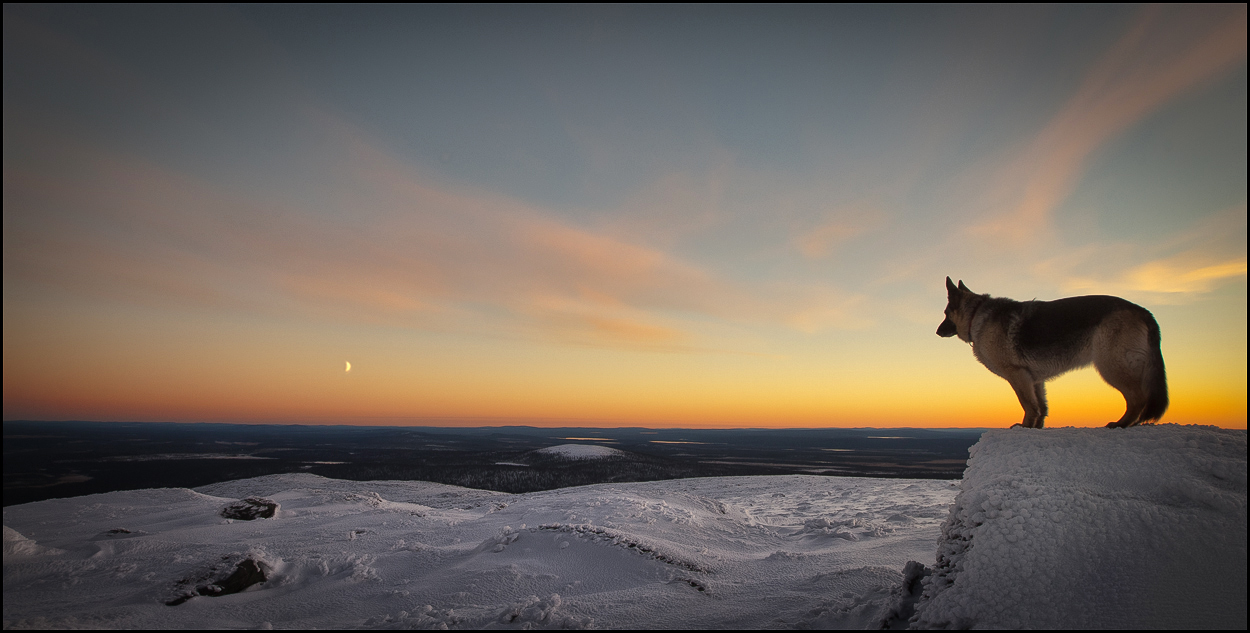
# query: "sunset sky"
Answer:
x=608 y=216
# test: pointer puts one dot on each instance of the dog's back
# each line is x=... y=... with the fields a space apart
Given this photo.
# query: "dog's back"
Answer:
x=1063 y=324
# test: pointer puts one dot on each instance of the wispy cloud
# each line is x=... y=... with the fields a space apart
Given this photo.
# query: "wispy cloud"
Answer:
x=387 y=245
x=834 y=311
x=1177 y=269
x=1182 y=274
x=840 y=225
x=1165 y=53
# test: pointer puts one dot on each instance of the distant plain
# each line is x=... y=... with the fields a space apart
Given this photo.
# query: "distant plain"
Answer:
x=46 y=460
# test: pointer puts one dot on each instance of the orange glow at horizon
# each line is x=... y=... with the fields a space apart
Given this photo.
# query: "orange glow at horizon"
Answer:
x=259 y=371
x=267 y=373
x=267 y=393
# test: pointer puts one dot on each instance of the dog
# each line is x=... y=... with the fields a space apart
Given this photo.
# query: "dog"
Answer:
x=1030 y=342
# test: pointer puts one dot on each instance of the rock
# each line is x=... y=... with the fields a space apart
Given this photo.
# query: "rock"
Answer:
x=118 y=533
x=251 y=508
x=245 y=574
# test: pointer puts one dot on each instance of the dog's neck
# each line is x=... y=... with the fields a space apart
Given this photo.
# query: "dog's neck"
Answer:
x=972 y=319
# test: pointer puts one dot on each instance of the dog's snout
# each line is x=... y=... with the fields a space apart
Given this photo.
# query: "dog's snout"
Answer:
x=946 y=329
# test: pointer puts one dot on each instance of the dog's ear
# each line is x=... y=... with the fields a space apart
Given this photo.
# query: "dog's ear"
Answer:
x=951 y=290
x=963 y=287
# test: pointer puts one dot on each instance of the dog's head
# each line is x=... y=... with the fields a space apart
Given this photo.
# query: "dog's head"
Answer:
x=955 y=322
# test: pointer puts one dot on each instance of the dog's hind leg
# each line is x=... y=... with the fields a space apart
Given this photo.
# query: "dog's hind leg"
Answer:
x=1132 y=415
x=1026 y=390
x=1125 y=375
x=1127 y=356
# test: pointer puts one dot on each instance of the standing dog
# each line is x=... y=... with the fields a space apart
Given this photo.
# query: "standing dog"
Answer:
x=1030 y=342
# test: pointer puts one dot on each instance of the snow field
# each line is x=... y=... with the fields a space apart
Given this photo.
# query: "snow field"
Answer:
x=775 y=552
x=1052 y=528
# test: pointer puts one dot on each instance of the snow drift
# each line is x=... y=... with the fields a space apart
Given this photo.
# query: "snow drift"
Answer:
x=1095 y=528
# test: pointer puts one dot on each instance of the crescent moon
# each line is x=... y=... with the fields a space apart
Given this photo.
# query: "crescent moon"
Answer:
x=349 y=366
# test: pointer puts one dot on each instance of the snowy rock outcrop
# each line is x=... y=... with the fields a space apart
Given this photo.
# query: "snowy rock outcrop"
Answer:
x=250 y=509
x=16 y=545
x=1095 y=528
x=221 y=580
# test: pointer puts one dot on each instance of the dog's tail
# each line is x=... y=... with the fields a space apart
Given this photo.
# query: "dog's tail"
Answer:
x=1155 y=378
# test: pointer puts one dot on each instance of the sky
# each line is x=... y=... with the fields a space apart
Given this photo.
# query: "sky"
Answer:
x=655 y=216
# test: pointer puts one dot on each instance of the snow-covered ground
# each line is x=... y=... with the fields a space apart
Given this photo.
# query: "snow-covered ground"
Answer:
x=1142 y=527
x=1095 y=528
x=694 y=553
x=581 y=451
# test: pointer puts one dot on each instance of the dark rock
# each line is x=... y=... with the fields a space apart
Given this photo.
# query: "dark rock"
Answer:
x=245 y=574
x=117 y=533
x=251 y=508
x=905 y=597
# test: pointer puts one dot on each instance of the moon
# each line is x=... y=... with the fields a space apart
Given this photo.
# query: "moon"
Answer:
x=349 y=365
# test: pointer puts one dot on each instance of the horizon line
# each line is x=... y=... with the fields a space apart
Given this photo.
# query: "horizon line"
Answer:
x=490 y=426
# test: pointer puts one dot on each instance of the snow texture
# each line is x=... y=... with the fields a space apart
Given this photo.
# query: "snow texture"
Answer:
x=1095 y=528
x=735 y=552
x=581 y=451
x=1052 y=528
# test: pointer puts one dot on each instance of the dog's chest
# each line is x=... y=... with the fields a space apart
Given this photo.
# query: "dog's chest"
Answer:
x=991 y=353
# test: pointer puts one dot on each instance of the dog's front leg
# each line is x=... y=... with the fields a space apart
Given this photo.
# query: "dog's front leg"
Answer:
x=1027 y=391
